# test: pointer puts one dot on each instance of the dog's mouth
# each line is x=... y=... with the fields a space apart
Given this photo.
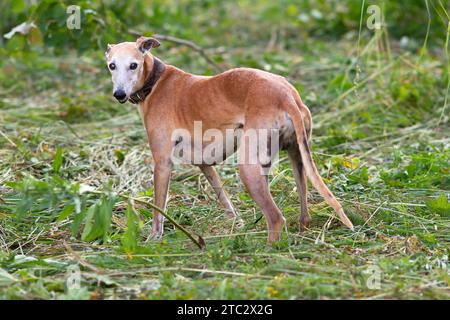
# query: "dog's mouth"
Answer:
x=123 y=100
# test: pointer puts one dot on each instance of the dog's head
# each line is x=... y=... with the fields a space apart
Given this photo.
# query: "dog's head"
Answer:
x=129 y=63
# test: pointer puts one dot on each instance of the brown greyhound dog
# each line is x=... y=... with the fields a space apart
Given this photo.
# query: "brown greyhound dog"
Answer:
x=172 y=103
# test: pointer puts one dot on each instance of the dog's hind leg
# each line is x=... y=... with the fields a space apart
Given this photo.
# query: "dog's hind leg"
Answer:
x=302 y=187
x=214 y=179
x=257 y=186
x=253 y=169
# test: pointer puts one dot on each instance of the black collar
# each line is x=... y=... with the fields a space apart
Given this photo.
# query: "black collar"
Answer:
x=155 y=74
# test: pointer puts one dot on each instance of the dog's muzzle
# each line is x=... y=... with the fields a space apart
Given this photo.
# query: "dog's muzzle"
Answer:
x=120 y=95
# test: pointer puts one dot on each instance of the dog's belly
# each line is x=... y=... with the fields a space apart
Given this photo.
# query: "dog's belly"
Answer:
x=212 y=147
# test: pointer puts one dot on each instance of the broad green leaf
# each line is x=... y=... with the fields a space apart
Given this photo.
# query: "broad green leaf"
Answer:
x=89 y=222
x=130 y=237
x=18 y=6
x=57 y=162
x=6 y=278
x=440 y=206
x=78 y=220
x=67 y=211
x=98 y=220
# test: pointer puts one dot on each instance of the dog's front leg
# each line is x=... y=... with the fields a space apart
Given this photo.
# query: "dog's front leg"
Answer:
x=214 y=180
x=161 y=178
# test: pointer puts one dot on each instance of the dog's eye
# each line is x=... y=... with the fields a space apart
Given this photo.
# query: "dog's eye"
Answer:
x=133 y=66
x=112 y=66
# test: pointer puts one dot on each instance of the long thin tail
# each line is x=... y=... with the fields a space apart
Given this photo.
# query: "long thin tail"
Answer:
x=311 y=171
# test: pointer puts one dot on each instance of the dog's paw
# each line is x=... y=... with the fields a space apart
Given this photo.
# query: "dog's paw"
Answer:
x=238 y=223
x=273 y=238
x=154 y=235
x=304 y=222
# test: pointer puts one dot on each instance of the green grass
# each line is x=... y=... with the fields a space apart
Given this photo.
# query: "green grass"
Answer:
x=381 y=142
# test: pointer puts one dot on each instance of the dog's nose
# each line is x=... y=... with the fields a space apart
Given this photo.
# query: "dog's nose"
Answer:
x=119 y=94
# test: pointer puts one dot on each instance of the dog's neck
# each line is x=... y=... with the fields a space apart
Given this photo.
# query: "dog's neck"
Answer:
x=151 y=78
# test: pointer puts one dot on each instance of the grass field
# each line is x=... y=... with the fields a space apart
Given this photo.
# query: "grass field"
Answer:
x=381 y=141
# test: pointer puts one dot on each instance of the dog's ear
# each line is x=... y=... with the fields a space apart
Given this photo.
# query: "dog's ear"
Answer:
x=144 y=44
x=108 y=49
